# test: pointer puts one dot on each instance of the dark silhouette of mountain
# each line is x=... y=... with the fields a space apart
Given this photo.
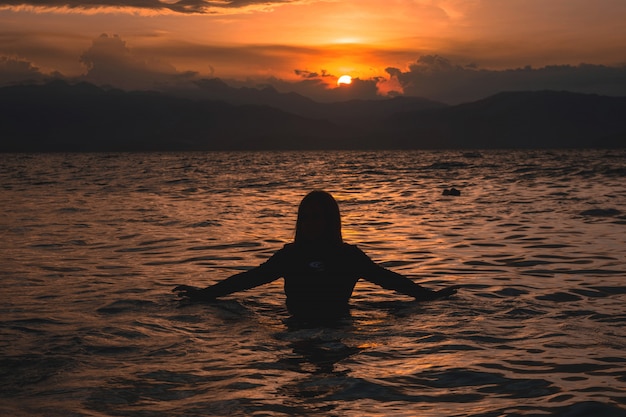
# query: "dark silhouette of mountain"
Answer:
x=82 y=117
x=530 y=119
x=62 y=117
x=353 y=113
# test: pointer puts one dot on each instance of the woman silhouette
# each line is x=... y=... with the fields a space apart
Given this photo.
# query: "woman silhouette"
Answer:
x=319 y=269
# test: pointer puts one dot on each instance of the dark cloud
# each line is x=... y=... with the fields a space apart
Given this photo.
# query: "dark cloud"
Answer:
x=313 y=85
x=359 y=89
x=177 y=6
x=318 y=88
x=437 y=78
x=306 y=74
x=14 y=70
x=390 y=86
x=110 y=61
x=393 y=72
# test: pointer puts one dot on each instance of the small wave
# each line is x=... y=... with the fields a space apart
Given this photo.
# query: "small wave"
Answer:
x=227 y=246
x=599 y=212
x=610 y=290
x=548 y=246
x=21 y=372
x=589 y=408
x=73 y=210
x=447 y=165
x=206 y=223
x=63 y=268
x=521 y=313
x=577 y=271
x=511 y=292
x=124 y=306
x=194 y=259
x=559 y=297
x=590 y=293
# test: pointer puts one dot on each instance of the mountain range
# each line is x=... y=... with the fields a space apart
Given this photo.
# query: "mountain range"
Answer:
x=60 y=116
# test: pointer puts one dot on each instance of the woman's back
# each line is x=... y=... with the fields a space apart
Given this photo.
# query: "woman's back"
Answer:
x=319 y=282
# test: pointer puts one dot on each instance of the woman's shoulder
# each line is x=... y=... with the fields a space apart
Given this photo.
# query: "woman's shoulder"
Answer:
x=288 y=250
x=354 y=250
x=350 y=247
x=288 y=247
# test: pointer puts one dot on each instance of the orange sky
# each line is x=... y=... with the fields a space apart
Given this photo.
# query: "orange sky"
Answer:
x=259 y=40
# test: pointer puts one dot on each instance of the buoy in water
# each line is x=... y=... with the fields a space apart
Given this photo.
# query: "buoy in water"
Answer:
x=452 y=191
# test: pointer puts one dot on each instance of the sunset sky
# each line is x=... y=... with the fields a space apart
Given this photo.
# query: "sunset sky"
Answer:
x=449 y=50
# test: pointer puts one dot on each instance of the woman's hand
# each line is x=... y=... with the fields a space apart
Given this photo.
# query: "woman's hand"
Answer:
x=446 y=292
x=436 y=295
x=187 y=291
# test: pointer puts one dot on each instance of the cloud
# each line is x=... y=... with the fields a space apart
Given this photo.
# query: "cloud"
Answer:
x=322 y=87
x=16 y=70
x=316 y=86
x=148 y=6
x=438 y=78
x=308 y=74
x=390 y=86
x=110 y=61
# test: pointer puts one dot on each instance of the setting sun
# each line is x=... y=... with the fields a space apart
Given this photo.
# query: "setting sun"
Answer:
x=344 y=79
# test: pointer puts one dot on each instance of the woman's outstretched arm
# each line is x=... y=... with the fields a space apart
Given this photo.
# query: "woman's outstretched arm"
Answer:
x=393 y=281
x=235 y=283
x=262 y=274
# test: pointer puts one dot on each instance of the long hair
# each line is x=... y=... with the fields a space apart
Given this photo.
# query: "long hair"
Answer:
x=324 y=205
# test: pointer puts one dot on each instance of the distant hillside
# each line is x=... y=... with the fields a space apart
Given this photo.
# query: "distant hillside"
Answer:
x=82 y=117
x=355 y=113
x=541 y=119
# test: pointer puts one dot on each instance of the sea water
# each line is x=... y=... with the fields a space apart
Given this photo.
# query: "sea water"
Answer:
x=92 y=245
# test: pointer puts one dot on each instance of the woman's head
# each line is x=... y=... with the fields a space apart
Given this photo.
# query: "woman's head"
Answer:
x=319 y=220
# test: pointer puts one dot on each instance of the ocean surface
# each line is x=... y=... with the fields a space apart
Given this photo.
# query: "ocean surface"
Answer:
x=92 y=245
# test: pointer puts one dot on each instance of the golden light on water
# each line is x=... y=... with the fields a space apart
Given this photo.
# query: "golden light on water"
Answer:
x=96 y=242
